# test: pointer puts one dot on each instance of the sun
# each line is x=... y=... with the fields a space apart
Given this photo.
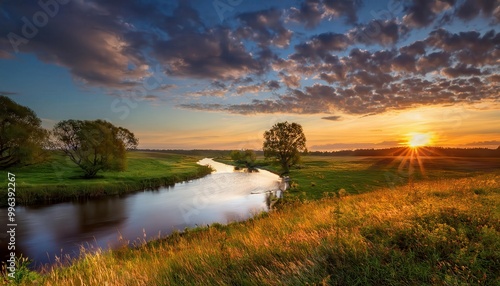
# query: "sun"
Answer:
x=419 y=139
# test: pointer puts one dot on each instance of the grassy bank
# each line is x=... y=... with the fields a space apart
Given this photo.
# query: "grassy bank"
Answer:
x=59 y=179
x=319 y=174
x=442 y=232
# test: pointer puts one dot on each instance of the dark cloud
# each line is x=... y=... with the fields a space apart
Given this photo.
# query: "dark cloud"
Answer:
x=83 y=37
x=472 y=8
x=332 y=118
x=422 y=13
x=310 y=13
x=215 y=54
x=117 y=44
x=184 y=19
x=433 y=62
x=320 y=46
x=416 y=48
x=471 y=40
x=404 y=63
x=265 y=27
x=290 y=80
x=380 y=32
x=344 y=8
x=273 y=85
x=460 y=70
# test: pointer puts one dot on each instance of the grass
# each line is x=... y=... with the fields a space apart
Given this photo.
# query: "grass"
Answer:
x=319 y=174
x=435 y=232
x=59 y=179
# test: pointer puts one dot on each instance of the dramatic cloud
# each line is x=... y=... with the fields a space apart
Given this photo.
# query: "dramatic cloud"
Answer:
x=333 y=61
x=460 y=70
x=422 y=13
x=264 y=27
x=347 y=8
x=310 y=13
x=472 y=8
x=320 y=47
x=380 y=32
x=100 y=53
x=213 y=55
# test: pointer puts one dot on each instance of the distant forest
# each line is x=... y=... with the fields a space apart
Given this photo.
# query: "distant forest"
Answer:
x=395 y=151
x=423 y=151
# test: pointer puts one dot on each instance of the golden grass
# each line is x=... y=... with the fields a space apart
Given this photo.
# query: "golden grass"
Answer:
x=443 y=232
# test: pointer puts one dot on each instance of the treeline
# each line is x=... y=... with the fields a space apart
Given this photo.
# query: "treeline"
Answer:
x=200 y=152
x=394 y=151
x=424 y=151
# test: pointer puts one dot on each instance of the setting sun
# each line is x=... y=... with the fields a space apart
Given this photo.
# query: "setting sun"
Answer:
x=419 y=139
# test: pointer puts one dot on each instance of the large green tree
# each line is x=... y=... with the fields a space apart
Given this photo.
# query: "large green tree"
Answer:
x=244 y=159
x=94 y=145
x=284 y=142
x=22 y=138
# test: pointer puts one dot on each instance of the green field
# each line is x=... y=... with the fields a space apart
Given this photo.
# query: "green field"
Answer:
x=344 y=221
x=317 y=175
x=59 y=179
x=442 y=232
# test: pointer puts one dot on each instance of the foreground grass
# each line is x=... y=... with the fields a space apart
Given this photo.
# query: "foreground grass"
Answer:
x=441 y=232
x=59 y=179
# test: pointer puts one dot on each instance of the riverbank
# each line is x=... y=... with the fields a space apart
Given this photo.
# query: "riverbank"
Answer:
x=433 y=232
x=59 y=179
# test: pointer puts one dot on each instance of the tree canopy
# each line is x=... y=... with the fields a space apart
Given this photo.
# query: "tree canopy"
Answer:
x=94 y=145
x=284 y=142
x=244 y=159
x=22 y=138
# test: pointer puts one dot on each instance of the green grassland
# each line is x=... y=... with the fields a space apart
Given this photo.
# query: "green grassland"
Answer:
x=317 y=175
x=344 y=221
x=59 y=179
x=436 y=232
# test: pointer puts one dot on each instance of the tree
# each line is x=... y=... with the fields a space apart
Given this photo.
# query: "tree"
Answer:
x=284 y=142
x=244 y=159
x=94 y=145
x=22 y=138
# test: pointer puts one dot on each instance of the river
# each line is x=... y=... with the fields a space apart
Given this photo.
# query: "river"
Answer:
x=46 y=231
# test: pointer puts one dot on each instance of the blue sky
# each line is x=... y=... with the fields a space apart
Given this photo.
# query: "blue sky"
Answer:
x=217 y=74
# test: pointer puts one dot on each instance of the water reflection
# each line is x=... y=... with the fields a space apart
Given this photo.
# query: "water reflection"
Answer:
x=60 y=229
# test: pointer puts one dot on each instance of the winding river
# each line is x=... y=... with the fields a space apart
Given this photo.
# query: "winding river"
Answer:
x=47 y=231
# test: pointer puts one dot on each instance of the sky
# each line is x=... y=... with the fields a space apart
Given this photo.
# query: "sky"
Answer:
x=216 y=74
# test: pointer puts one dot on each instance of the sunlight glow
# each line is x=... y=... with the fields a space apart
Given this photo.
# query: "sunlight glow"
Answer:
x=419 y=139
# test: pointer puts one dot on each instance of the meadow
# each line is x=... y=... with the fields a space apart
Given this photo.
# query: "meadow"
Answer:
x=59 y=179
x=441 y=232
x=344 y=221
x=317 y=175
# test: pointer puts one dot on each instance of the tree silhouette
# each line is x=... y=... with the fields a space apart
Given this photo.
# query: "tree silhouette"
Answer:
x=94 y=145
x=22 y=138
x=284 y=142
